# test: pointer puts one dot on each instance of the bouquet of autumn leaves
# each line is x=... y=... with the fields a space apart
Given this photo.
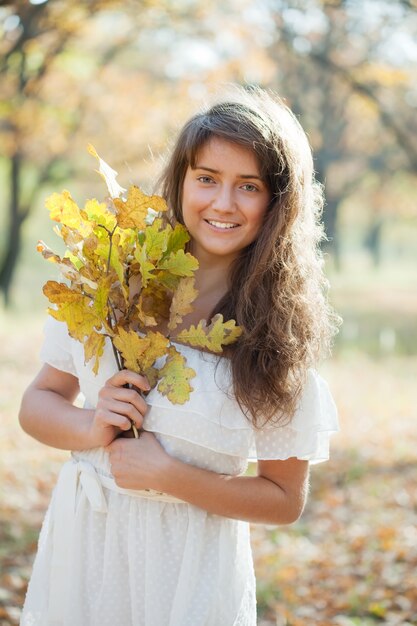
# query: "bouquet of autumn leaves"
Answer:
x=127 y=272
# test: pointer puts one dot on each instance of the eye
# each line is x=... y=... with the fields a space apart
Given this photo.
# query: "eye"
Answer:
x=249 y=187
x=205 y=179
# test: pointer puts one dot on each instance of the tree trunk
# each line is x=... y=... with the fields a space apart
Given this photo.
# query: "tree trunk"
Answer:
x=373 y=240
x=330 y=226
x=17 y=215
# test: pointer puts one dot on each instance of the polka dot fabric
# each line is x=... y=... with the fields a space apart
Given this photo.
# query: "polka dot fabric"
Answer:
x=144 y=562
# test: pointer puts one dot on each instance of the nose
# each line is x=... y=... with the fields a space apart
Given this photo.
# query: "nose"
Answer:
x=224 y=200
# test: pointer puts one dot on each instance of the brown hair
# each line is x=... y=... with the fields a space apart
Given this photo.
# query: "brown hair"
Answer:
x=276 y=285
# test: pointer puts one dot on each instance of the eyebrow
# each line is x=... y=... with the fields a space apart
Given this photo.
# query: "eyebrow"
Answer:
x=213 y=171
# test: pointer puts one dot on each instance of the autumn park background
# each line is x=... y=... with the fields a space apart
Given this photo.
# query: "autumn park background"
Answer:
x=124 y=76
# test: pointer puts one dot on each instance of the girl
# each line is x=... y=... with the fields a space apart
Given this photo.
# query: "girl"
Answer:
x=154 y=531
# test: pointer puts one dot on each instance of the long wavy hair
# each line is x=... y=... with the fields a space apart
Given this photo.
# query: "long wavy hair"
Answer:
x=277 y=289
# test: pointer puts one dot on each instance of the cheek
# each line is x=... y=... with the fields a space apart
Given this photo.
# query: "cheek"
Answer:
x=186 y=199
x=189 y=219
x=257 y=222
x=259 y=216
x=186 y=210
x=192 y=203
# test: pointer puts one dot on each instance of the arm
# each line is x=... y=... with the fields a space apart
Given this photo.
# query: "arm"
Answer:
x=47 y=412
x=275 y=496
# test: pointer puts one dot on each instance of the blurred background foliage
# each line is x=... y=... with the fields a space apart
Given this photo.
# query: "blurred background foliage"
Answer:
x=124 y=76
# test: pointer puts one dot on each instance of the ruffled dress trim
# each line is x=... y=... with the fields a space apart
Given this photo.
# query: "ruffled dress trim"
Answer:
x=211 y=418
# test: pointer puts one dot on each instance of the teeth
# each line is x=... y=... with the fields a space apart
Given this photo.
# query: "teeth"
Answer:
x=222 y=224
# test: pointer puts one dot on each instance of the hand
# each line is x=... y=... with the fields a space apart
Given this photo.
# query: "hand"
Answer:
x=118 y=407
x=139 y=463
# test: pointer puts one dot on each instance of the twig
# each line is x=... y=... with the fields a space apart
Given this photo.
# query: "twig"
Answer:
x=111 y=233
x=117 y=355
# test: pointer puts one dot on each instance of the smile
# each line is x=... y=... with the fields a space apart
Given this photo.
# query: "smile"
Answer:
x=223 y=225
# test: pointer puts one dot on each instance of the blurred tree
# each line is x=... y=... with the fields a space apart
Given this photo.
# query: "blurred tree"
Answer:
x=89 y=71
x=123 y=76
x=351 y=80
x=35 y=35
x=61 y=87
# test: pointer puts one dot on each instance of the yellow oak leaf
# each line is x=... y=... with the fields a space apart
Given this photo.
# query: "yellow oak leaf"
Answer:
x=72 y=238
x=146 y=267
x=117 y=260
x=174 y=377
x=86 y=278
x=144 y=318
x=154 y=301
x=90 y=244
x=108 y=253
x=152 y=374
x=101 y=296
x=58 y=293
x=69 y=265
x=184 y=295
x=195 y=336
x=99 y=213
x=156 y=240
x=179 y=263
x=94 y=347
x=75 y=260
x=211 y=337
x=73 y=308
x=132 y=212
x=63 y=209
x=167 y=280
x=118 y=303
x=125 y=241
x=178 y=237
x=96 y=245
x=95 y=253
x=158 y=345
x=132 y=348
x=222 y=333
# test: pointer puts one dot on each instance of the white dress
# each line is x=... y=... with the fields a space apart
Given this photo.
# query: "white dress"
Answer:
x=114 y=557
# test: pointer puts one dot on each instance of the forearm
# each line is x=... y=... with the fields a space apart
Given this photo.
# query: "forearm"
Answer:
x=55 y=421
x=251 y=498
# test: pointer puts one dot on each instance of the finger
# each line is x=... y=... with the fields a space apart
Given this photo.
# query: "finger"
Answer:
x=126 y=409
x=125 y=395
x=128 y=377
x=106 y=418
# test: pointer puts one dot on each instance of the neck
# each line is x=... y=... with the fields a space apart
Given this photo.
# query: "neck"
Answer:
x=212 y=275
x=210 y=284
x=212 y=278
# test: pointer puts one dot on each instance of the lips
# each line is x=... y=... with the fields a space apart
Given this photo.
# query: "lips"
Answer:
x=222 y=225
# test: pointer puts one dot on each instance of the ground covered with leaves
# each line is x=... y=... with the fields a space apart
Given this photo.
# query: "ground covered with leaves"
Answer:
x=350 y=560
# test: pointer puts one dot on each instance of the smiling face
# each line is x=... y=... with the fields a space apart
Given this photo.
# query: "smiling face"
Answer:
x=224 y=201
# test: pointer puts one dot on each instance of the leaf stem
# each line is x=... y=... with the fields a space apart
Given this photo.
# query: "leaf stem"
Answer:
x=117 y=357
x=119 y=361
x=111 y=233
